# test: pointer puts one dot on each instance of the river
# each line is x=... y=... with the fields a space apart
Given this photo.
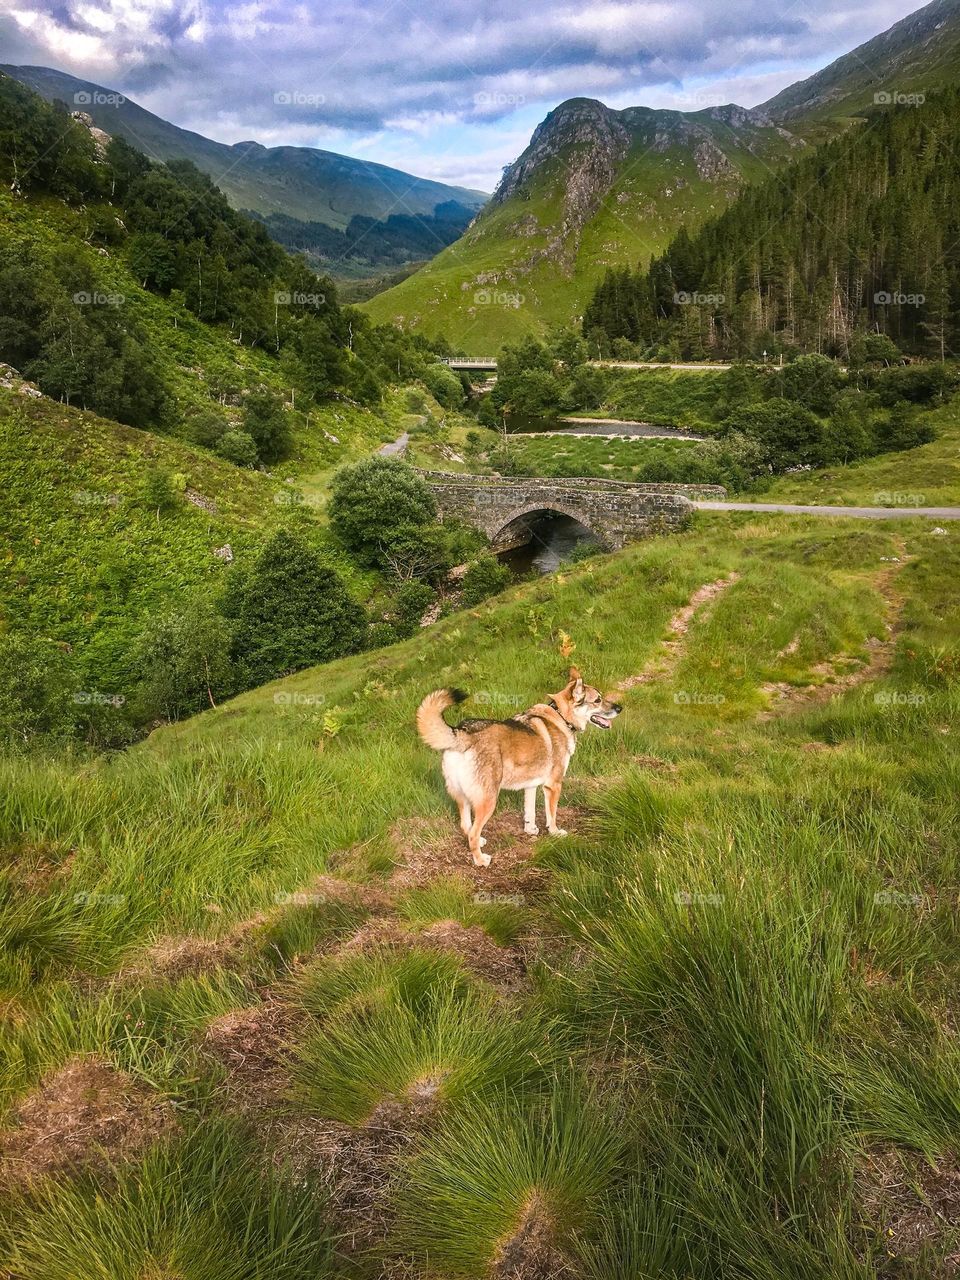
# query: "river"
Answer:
x=554 y=537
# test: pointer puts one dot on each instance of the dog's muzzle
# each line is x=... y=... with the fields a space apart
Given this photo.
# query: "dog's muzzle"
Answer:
x=603 y=719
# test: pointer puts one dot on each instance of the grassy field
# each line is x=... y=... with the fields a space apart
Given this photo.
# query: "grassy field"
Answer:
x=262 y=1017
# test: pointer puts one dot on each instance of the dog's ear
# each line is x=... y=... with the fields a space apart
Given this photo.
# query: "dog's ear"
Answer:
x=576 y=683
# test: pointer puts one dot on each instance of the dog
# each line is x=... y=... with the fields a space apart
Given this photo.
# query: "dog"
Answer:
x=532 y=749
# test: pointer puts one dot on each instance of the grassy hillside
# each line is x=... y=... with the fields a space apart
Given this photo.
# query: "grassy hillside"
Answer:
x=301 y=182
x=530 y=261
x=916 y=55
x=255 y=996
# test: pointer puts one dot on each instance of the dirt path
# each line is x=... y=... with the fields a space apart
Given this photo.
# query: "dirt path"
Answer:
x=860 y=513
x=662 y=665
x=840 y=673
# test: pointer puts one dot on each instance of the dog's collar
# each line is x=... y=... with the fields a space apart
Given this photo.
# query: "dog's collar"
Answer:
x=572 y=727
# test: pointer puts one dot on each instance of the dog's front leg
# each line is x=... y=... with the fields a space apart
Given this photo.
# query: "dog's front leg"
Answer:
x=530 y=811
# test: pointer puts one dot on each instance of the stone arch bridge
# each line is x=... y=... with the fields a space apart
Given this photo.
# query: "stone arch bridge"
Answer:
x=616 y=512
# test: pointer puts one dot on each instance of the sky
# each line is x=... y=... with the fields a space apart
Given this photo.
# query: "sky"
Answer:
x=450 y=89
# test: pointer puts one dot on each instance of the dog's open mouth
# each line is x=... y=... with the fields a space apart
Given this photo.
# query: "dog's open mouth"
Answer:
x=602 y=721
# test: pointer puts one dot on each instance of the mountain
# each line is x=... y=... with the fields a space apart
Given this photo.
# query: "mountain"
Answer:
x=594 y=187
x=303 y=194
x=598 y=188
x=916 y=55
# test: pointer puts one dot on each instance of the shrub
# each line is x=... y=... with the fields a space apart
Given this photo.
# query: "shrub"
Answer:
x=38 y=691
x=485 y=577
x=444 y=385
x=157 y=492
x=375 y=502
x=239 y=448
x=183 y=658
x=265 y=421
x=788 y=432
x=814 y=382
x=410 y=604
x=289 y=611
x=206 y=427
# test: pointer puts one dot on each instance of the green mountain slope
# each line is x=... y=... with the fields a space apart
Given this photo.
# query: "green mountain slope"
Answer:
x=594 y=187
x=599 y=188
x=319 y=188
x=916 y=55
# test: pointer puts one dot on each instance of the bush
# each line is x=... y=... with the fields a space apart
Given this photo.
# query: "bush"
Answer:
x=484 y=578
x=206 y=428
x=288 y=612
x=444 y=385
x=787 y=432
x=183 y=659
x=904 y=428
x=38 y=691
x=239 y=448
x=265 y=421
x=375 y=503
x=157 y=492
x=814 y=382
x=411 y=603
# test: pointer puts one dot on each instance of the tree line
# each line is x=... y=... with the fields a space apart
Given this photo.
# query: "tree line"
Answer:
x=859 y=238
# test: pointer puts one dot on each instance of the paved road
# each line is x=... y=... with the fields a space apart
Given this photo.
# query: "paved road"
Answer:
x=867 y=513
x=395 y=447
x=627 y=430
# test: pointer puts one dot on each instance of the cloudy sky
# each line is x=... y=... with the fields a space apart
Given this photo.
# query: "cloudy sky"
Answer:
x=449 y=89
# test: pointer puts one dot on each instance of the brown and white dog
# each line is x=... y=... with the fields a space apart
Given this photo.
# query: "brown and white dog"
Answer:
x=533 y=749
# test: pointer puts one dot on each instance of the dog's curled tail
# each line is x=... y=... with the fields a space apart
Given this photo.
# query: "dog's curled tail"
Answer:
x=432 y=727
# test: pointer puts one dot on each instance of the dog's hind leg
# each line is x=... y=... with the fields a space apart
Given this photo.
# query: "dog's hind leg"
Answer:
x=551 y=798
x=530 y=811
x=482 y=812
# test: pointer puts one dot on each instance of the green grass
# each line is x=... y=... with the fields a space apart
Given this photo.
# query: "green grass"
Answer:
x=750 y=937
x=411 y=1029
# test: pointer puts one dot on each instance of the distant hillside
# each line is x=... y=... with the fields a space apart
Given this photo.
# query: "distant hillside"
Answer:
x=301 y=185
x=594 y=187
x=915 y=56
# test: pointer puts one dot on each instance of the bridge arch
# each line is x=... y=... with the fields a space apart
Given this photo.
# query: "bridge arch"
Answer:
x=544 y=507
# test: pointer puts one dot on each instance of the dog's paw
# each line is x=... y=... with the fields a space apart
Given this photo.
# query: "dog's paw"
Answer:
x=531 y=831
x=558 y=831
x=482 y=859
x=482 y=841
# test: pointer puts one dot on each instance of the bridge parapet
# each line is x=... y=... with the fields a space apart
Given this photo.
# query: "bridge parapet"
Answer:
x=615 y=511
